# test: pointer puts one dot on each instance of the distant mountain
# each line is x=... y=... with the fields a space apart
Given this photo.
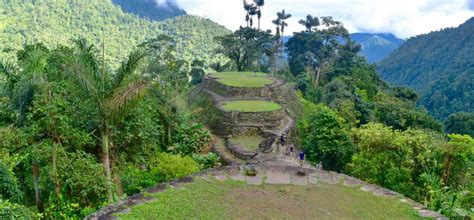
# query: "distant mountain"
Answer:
x=376 y=47
x=55 y=22
x=440 y=66
x=150 y=9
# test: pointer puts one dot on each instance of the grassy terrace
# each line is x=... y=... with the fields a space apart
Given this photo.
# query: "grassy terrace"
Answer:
x=212 y=199
x=250 y=143
x=243 y=79
x=250 y=106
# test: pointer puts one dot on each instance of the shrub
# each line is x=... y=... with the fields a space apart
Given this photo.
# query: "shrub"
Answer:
x=190 y=139
x=9 y=185
x=169 y=167
x=163 y=167
x=210 y=160
x=324 y=138
x=14 y=211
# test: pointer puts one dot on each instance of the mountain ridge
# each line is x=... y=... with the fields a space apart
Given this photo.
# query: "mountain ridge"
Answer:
x=58 y=21
x=436 y=65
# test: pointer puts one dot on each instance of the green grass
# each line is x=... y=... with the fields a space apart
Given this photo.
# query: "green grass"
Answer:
x=212 y=199
x=243 y=79
x=250 y=143
x=250 y=106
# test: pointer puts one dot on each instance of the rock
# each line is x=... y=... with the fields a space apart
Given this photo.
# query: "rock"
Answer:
x=250 y=170
x=277 y=176
x=428 y=214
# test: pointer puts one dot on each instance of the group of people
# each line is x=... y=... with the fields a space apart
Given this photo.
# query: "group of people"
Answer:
x=290 y=150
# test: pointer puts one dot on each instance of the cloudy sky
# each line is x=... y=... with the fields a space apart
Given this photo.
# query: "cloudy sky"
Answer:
x=403 y=18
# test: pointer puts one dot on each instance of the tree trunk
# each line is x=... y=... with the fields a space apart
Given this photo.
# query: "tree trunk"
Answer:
x=106 y=163
x=54 y=156
x=36 y=172
x=318 y=74
x=447 y=170
x=118 y=184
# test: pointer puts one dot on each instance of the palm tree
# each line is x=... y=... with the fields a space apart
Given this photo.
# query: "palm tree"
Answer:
x=277 y=22
x=247 y=8
x=309 y=23
x=111 y=94
x=282 y=16
x=21 y=87
x=253 y=11
x=259 y=4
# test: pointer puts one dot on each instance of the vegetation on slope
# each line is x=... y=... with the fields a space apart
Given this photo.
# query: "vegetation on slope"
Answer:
x=438 y=65
x=104 y=24
x=76 y=135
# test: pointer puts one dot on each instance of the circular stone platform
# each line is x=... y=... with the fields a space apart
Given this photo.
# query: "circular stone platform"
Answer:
x=249 y=106
x=243 y=79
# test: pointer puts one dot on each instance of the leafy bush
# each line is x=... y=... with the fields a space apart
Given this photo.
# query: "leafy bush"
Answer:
x=163 y=167
x=83 y=180
x=418 y=164
x=190 y=139
x=14 y=211
x=324 y=138
x=168 y=167
x=9 y=185
x=210 y=160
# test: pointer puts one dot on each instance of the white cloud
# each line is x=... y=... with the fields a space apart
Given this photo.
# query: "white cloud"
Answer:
x=404 y=18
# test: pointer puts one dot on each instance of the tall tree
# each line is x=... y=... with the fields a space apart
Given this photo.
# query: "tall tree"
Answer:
x=247 y=8
x=277 y=22
x=111 y=95
x=282 y=16
x=259 y=4
x=244 y=46
x=310 y=22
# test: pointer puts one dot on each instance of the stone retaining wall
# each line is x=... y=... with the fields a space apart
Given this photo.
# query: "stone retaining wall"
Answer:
x=258 y=118
x=239 y=151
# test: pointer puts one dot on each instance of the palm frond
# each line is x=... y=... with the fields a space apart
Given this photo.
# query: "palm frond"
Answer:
x=129 y=67
x=35 y=64
x=124 y=97
x=81 y=75
x=9 y=70
x=87 y=54
x=23 y=97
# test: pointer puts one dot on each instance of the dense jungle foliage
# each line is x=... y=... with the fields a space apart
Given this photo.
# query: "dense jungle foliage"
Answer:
x=75 y=134
x=104 y=24
x=439 y=66
x=80 y=130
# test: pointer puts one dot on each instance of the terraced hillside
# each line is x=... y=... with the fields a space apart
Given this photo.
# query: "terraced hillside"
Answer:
x=251 y=114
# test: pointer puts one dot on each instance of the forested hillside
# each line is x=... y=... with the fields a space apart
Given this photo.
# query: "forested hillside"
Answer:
x=440 y=66
x=58 y=21
x=376 y=47
x=150 y=9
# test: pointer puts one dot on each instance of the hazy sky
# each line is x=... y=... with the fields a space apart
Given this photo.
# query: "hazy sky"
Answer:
x=403 y=18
